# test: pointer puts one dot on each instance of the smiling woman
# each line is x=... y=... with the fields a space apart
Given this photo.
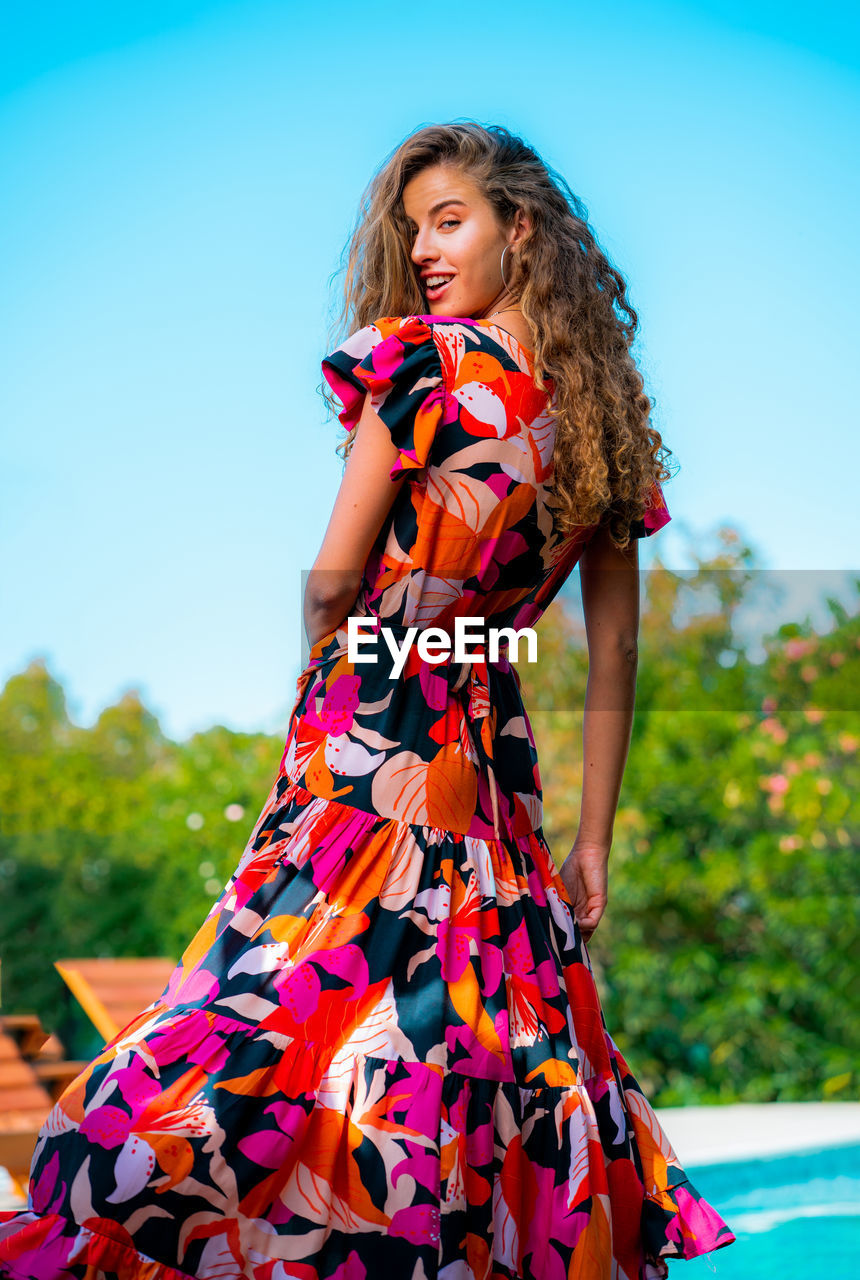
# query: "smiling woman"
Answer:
x=383 y=1051
x=514 y=245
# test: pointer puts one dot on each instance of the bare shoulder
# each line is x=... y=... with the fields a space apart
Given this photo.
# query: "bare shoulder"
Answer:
x=515 y=324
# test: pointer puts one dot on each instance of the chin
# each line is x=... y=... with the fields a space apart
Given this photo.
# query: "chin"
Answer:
x=443 y=308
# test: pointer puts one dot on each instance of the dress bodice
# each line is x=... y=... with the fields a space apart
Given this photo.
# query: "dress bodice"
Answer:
x=472 y=534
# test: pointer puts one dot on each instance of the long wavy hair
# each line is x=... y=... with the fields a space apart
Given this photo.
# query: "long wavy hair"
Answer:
x=607 y=454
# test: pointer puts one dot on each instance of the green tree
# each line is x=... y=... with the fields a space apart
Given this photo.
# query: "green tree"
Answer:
x=114 y=841
x=722 y=957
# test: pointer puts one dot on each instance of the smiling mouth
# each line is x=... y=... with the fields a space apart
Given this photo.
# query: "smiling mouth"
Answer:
x=439 y=286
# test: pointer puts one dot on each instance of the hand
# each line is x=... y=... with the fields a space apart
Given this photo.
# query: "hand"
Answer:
x=585 y=875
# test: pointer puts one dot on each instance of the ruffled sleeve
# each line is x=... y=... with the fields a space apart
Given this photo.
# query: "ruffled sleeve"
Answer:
x=396 y=359
x=656 y=515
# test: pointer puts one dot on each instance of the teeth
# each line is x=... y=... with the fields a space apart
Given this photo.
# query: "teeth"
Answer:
x=433 y=282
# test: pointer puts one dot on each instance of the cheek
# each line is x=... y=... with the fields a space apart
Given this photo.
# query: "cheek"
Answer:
x=475 y=256
x=490 y=255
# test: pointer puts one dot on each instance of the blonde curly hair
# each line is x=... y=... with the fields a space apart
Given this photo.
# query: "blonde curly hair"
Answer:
x=607 y=454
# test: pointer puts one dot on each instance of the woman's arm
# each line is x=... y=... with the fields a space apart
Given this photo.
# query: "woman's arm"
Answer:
x=364 y=499
x=610 y=597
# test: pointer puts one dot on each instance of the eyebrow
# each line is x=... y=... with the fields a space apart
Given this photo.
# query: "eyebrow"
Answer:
x=442 y=204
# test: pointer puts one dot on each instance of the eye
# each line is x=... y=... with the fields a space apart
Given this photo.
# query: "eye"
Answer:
x=446 y=222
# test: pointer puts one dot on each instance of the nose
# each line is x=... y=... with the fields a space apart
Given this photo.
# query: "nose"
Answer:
x=422 y=249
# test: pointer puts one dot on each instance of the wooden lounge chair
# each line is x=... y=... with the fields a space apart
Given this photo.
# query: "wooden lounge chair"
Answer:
x=33 y=1068
x=112 y=992
x=24 y=1105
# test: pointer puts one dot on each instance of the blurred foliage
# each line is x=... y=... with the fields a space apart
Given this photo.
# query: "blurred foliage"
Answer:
x=114 y=840
x=724 y=957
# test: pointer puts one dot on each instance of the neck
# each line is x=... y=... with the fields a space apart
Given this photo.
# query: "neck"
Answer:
x=502 y=301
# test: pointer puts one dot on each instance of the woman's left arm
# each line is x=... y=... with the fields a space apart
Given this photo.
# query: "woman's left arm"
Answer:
x=364 y=499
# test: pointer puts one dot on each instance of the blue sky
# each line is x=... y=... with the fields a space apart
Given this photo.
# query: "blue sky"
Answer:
x=179 y=181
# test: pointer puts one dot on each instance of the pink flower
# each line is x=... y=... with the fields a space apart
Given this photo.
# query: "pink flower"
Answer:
x=419 y=1224
x=799 y=648
x=352 y=1269
x=416 y=1100
x=107 y=1126
x=776 y=730
x=339 y=705
x=46 y=1184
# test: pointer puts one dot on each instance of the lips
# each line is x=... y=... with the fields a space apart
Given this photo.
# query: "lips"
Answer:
x=435 y=291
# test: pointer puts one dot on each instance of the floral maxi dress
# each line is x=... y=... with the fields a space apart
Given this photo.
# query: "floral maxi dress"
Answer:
x=383 y=1053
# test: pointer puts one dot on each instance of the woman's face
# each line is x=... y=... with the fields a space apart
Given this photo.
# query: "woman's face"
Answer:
x=455 y=234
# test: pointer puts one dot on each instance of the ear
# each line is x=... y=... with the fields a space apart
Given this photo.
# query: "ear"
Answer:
x=522 y=227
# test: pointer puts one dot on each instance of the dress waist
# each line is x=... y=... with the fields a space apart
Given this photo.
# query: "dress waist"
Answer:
x=412 y=715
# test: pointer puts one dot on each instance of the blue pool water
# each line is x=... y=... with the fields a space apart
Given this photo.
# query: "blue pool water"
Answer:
x=796 y=1217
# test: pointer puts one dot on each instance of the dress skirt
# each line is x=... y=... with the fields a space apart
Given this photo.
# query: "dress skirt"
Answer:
x=382 y=1055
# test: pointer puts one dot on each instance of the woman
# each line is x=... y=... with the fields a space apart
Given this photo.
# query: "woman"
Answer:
x=383 y=1052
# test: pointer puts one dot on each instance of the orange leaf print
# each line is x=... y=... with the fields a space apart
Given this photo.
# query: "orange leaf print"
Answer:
x=257 y=1084
x=460 y=517
x=197 y=948
x=318 y=776
x=174 y=1154
x=326 y=1152
x=592 y=1256
x=439 y=794
x=466 y=998
x=402 y=781
x=73 y=1099
x=452 y=789
x=554 y=1072
x=478 y=1256
x=361 y=879
x=654 y=1146
x=424 y=428
x=480 y=366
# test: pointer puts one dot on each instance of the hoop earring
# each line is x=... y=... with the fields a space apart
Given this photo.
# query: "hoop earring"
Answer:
x=502 y=265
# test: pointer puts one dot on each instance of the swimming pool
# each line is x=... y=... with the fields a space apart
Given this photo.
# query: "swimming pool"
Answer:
x=796 y=1217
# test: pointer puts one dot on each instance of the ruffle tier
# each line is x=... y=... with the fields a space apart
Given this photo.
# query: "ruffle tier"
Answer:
x=382 y=1053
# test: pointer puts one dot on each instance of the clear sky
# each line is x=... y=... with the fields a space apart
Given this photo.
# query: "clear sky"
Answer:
x=179 y=180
